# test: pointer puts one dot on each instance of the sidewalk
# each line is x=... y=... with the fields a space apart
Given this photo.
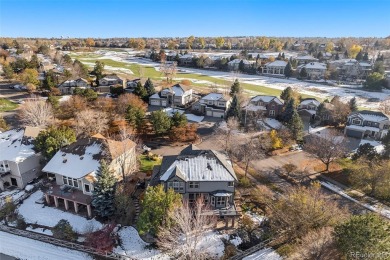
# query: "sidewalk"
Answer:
x=372 y=204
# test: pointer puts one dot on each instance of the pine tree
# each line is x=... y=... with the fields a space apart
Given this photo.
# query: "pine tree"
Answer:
x=235 y=109
x=235 y=88
x=286 y=94
x=283 y=56
x=353 y=104
x=178 y=120
x=241 y=66
x=140 y=90
x=149 y=87
x=288 y=111
x=160 y=121
x=288 y=70
x=320 y=56
x=386 y=143
x=365 y=57
x=303 y=73
x=359 y=56
x=103 y=194
x=337 y=56
x=296 y=126
x=346 y=54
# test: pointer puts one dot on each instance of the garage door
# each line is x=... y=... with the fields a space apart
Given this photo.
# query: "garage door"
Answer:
x=154 y=102
x=354 y=133
x=209 y=113
x=164 y=103
x=218 y=114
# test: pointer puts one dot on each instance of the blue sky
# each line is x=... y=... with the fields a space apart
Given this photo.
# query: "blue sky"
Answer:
x=152 y=18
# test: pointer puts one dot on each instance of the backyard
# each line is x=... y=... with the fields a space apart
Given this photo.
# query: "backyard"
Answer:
x=6 y=105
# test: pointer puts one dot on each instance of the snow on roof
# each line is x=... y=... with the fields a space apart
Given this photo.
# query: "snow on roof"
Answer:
x=273 y=123
x=213 y=96
x=252 y=107
x=235 y=61
x=305 y=57
x=315 y=65
x=155 y=96
x=277 y=63
x=310 y=101
x=371 y=116
x=266 y=99
x=362 y=128
x=199 y=168
x=15 y=145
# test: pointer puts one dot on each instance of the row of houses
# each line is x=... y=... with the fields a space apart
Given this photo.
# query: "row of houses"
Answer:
x=67 y=87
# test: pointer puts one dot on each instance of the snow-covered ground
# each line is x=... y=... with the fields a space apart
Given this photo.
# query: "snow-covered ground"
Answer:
x=40 y=231
x=49 y=216
x=25 y=248
x=255 y=217
x=264 y=254
x=190 y=117
x=379 y=147
x=13 y=195
x=346 y=92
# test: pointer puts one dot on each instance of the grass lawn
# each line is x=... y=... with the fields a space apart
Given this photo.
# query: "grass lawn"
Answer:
x=6 y=105
x=147 y=165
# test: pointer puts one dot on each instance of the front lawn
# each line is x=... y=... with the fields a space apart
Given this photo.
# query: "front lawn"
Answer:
x=6 y=105
x=148 y=164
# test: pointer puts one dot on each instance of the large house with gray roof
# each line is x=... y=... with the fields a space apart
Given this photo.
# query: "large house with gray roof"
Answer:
x=275 y=67
x=196 y=173
x=213 y=104
x=177 y=95
x=367 y=124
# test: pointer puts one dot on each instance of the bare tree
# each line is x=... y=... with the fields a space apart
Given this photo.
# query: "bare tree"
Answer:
x=327 y=147
x=91 y=122
x=36 y=112
x=168 y=69
x=224 y=135
x=385 y=107
x=182 y=240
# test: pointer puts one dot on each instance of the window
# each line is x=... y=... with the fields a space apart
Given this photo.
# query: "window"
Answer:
x=194 y=185
x=368 y=123
x=356 y=121
x=221 y=201
x=65 y=180
x=230 y=184
x=272 y=112
x=386 y=127
x=192 y=197
x=70 y=181
x=213 y=201
x=176 y=185
x=272 y=106
x=87 y=188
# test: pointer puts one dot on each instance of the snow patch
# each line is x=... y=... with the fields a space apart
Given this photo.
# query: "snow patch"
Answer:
x=44 y=231
x=264 y=254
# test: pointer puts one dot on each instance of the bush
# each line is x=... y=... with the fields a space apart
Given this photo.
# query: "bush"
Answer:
x=20 y=222
x=63 y=230
x=7 y=210
x=102 y=240
x=245 y=182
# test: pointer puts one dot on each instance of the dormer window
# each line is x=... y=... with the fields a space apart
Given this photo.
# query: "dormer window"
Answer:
x=356 y=121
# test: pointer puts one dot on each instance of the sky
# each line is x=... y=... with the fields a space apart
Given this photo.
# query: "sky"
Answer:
x=182 y=18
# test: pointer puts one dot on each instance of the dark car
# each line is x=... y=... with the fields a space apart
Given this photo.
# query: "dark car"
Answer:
x=11 y=87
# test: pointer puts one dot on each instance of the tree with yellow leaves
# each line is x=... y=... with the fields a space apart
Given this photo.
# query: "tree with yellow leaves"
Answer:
x=276 y=141
x=354 y=50
x=89 y=43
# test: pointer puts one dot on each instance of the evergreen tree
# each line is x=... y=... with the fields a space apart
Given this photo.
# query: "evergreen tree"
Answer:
x=134 y=116
x=359 y=56
x=296 y=126
x=353 y=104
x=48 y=142
x=49 y=81
x=98 y=71
x=140 y=91
x=288 y=70
x=374 y=82
x=178 y=120
x=103 y=194
x=303 y=73
x=288 y=111
x=386 y=143
x=337 y=56
x=235 y=109
x=365 y=57
x=283 y=56
x=63 y=230
x=160 y=121
x=241 y=66
x=235 y=88
x=346 y=54
x=149 y=87
x=287 y=94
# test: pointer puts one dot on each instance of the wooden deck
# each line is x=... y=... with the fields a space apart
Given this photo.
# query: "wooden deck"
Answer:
x=71 y=194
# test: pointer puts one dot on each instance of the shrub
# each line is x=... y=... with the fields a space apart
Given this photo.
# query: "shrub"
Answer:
x=245 y=182
x=7 y=210
x=63 y=230
x=102 y=240
x=20 y=222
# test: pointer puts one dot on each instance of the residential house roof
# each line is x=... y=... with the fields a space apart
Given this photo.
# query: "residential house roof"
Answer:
x=277 y=63
x=308 y=101
x=314 y=65
x=372 y=116
x=266 y=99
x=305 y=57
x=215 y=96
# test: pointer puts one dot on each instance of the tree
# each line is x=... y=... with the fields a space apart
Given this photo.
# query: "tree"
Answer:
x=103 y=194
x=135 y=115
x=63 y=230
x=332 y=147
x=178 y=120
x=219 y=42
x=379 y=67
x=288 y=111
x=365 y=57
x=296 y=126
x=89 y=122
x=225 y=135
x=80 y=70
x=50 y=81
x=90 y=43
x=149 y=87
x=160 y=121
x=48 y=142
x=288 y=93
x=140 y=91
x=234 y=109
x=157 y=208
x=374 y=82
x=8 y=72
x=366 y=150
x=289 y=168
x=190 y=42
x=241 y=66
x=301 y=210
x=303 y=73
x=329 y=47
x=359 y=56
x=67 y=59
x=168 y=69
x=126 y=100
x=202 y=42
x=235 y=88
x=102 y=240
x=36 y=113
x=29 y=76
x=248 y=150
x=386 y=143
x=98 y=70
x=88 y=93
x=288 y=70
x=354 y=50
x=337 y=57
x=182 y=240
x=276 y=141
x=3 y=124
x=353 y=104
x=340 y=111
x=34 y=62
x=366 y=234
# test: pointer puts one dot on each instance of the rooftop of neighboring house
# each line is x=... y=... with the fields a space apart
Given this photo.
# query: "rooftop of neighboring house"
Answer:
x=72 y=81
x=372 y=116
x=111 y=77
x=308 y=101
x=237 y=61
x=178 y=90
x=266 y=99
x=194 y=164
x=305 y=57
x=313 y=65
x=83 y=156
x=215 y=96
x=277 y=63
x=16 y=145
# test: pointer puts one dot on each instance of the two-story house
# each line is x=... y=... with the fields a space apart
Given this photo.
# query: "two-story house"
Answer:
x=177 y=95
x=110 y=80
x=315 y=70
x=353 y=69
x=74 y=168
x=197 y=173
x=19 y=162
x=305 y=59
x=308 y=108
x=367 y=124
x=268 y=106
x=67 y=87
x=275 y=67
x=235 y=64
x=213 y=104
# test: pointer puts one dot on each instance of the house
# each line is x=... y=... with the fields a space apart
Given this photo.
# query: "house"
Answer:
x=353 y=69
x=186 y=59
x=235 y=64
x=275 y=67
x=19 y=162
x=196 y=173
x=367 y=124
x=307 y=109
x=305 y=59
x=131 y=84
x=266 y=106
x=213 y=104
x=177 y=95
x=110 y=80
x=67 y=87
x=315 y=70
x=74 y=168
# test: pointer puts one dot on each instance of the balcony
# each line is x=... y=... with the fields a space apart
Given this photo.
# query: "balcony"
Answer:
x=68 y=193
